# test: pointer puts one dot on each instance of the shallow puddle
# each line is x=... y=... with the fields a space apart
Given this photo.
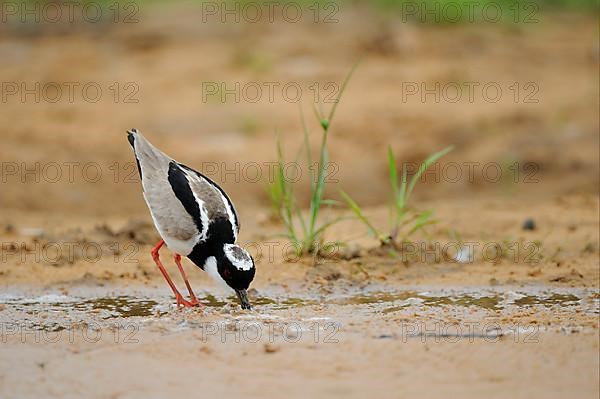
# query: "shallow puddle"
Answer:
x=55 y=312
x=121 y=306
x=411 y=298
x=554 y=299
x=494 y=301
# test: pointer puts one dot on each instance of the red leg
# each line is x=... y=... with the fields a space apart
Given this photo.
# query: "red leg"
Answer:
x=178 y=296
x=194 y=300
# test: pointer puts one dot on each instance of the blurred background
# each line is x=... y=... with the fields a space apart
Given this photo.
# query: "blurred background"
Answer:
x=511 y=84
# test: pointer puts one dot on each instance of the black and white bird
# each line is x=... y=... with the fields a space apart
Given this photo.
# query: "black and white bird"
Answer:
x=195 y=218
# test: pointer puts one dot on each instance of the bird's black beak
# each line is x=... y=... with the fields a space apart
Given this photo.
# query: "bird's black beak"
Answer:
x=243 y=295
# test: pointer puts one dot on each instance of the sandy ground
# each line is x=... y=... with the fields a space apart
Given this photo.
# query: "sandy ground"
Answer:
x=182 y=354
x=402 y=326
x=85 y=313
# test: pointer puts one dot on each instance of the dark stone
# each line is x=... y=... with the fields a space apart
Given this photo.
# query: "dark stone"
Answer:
x=529 y=224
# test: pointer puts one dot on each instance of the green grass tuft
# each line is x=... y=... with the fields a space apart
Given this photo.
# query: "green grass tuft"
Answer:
x=404 y=220
x=304 y=231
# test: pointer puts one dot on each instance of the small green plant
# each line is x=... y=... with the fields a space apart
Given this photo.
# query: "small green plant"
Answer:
x=404 y=219
x=303 y=230
x=275 y=189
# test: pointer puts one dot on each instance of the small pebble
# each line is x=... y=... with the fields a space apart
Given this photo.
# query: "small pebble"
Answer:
x=534 y=273
x=529 y=224
x=271 y=348
x=206 y=350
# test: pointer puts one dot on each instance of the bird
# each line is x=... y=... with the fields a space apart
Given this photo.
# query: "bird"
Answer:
x=195 y=218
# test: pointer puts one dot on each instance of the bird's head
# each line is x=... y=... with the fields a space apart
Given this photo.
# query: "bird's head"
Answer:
x=237 y=269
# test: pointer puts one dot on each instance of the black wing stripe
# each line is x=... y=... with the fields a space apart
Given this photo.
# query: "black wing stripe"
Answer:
x=211 y=182
x=180 y=185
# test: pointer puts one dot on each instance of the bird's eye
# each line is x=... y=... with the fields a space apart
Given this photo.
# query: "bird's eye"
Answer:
x=226 y=273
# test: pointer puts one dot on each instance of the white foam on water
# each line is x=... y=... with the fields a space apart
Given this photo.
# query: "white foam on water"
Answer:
x=412 y=301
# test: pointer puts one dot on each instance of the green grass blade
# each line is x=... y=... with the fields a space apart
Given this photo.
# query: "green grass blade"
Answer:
x=393 y=172
x=273 y=190
x=331 y=202
x=401 y=199
x=287 y=193
x=424 y=166
x=307 y=148
x=397 y=193
x=317 y=195
x=318 y=113
x=422 y=221
x=360 y=215
x=328 y=224
x=342 y=89
x=301 y=219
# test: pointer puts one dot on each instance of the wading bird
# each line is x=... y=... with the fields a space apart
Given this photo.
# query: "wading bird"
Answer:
x=195 y=218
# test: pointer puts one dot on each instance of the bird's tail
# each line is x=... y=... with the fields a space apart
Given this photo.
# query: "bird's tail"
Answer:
x=131 y=137
x=150 y=159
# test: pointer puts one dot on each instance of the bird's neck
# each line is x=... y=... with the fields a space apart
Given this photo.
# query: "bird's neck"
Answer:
x=203 y=251
x=220 y=232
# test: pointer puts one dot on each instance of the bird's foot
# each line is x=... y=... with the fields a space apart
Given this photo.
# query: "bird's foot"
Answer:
x=195 y=302
x=183 y=302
